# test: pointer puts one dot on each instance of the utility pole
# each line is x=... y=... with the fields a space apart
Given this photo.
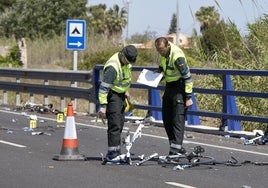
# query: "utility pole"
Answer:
x=178 y=25
x=126 y=4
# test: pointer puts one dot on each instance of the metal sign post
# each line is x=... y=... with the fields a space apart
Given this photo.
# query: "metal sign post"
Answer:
x=75 y=40
x=75 y=57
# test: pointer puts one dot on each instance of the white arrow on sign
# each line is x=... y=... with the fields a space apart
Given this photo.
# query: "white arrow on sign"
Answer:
x=78 y=44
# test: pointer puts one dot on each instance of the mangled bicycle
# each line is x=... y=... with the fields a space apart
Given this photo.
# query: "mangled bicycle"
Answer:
x=193 y=159
x=128 y=141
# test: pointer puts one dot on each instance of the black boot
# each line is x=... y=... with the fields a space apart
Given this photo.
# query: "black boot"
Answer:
x=113 y=156
x=174 y=151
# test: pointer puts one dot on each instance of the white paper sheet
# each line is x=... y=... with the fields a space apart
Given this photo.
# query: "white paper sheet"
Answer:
x=149 y=78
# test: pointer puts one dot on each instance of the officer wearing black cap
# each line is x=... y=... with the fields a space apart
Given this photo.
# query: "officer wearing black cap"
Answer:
x=112 y=93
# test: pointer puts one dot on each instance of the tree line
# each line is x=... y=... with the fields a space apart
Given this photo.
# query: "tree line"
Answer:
x=41 y=18
x=34 y=19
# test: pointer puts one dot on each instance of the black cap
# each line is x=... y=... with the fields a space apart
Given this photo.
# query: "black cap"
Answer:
x=130 y=53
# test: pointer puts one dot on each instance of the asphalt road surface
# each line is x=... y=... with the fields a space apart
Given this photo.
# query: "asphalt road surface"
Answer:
x=27 y=159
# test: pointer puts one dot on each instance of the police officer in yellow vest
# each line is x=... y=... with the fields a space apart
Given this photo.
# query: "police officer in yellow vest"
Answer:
x=178 y=91
x=112 y=93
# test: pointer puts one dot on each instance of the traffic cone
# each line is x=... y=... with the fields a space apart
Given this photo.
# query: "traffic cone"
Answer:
x=69 y=150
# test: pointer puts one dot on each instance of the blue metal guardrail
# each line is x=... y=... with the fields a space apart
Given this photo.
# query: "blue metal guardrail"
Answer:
x=229 y=116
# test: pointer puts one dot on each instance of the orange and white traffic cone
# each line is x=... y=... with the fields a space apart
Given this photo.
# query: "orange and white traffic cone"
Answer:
x=69 y=150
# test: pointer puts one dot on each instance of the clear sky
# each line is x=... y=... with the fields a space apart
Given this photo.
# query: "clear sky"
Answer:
x=155 y=15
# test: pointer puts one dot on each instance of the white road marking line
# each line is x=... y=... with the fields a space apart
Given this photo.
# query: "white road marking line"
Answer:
x=188 y=142
x=12 y=144
x=228 y=148
x=161 y=137
x=179 y=185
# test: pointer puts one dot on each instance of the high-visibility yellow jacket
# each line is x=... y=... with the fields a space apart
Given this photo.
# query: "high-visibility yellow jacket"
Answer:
x=122 y=81
x=172 y=72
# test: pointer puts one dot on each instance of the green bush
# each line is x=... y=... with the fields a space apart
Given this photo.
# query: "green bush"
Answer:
x=12 y=59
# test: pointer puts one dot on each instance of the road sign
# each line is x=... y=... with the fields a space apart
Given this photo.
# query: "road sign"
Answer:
x=75 y=34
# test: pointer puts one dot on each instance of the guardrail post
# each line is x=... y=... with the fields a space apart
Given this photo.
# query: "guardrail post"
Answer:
x=31 y=97
x=5 y=97
x=62 y=104
x=18 y=94
x=154 y=100
x=229 y=107
x=192 y=119
x=91 y=108
x=46 y=102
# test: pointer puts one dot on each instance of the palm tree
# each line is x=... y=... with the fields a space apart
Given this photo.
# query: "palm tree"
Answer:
x=109 y=23
x=207 y=16
x=116 y=20
x=97 y=18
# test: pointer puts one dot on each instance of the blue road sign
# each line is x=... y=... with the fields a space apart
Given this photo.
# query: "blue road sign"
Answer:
x=75 y=34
